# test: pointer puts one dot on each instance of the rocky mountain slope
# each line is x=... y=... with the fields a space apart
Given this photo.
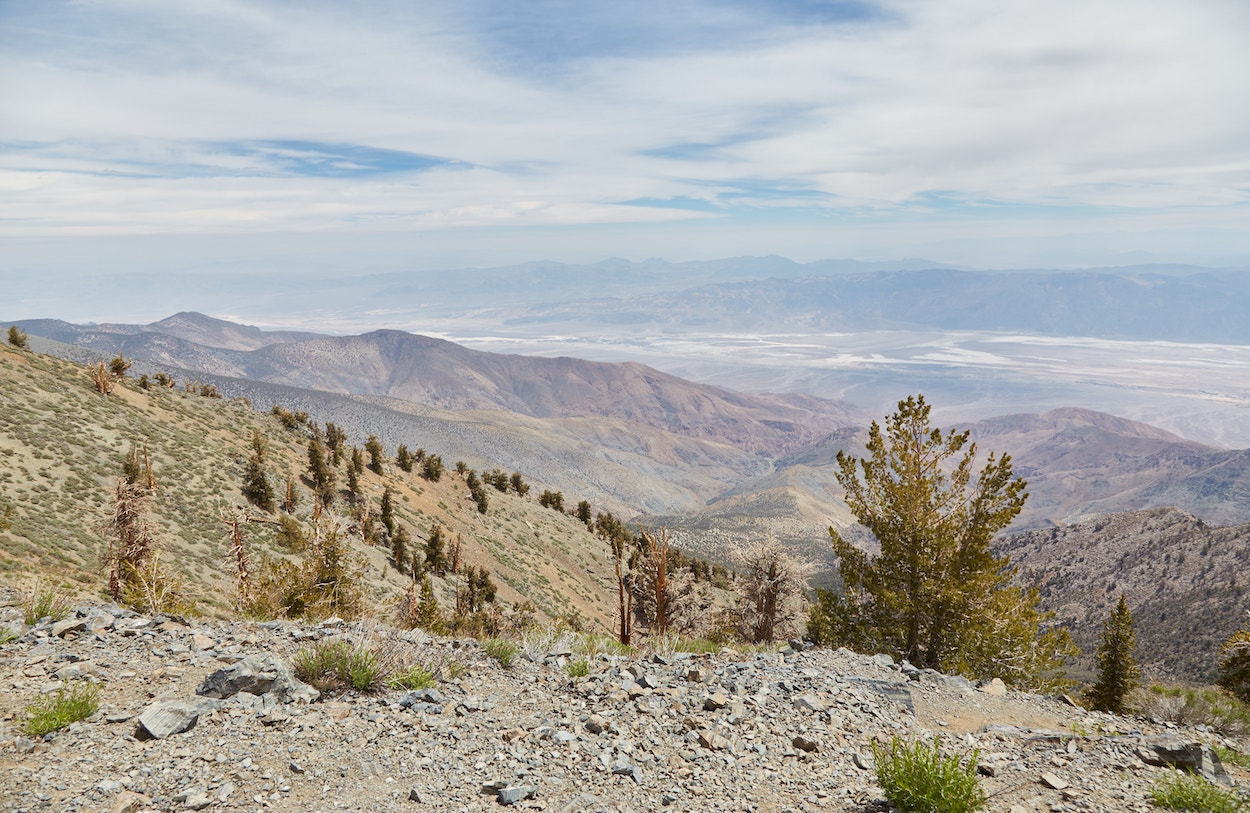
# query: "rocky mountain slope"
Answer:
x=202 y=715
x=1185 y=581
x=61 y=451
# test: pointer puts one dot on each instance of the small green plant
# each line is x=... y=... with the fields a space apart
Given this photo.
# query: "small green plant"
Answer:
x=1182 y=791
x=1195 y=705
x=71 y=703
x=454 y=669
x=578 y=669
x=1231 y=756
x=917 y=778
x=336 y=666
x=7 y=635
x=414 y=677
x=503 y=651
x=44 y=601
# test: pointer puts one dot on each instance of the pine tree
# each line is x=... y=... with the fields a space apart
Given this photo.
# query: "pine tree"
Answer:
x=292 y=496
x=387 y=514
x=936 y=594
x=584 y=514
x=400 y=544
x=319 y=472
x=336 y=440
x=17 y=338
x=435 y=552
x=432 y=468
x=1118 y=672
x=429 y=616
x=256 y=487
x=374 y=447
x=404 y=459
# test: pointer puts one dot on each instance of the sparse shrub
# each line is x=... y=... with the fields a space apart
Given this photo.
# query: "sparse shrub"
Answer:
x=1193 y=706
x=17 y=338
x=412 y=678
x=504 y=652
x=119 y=366
x=1235 y=664
x=918 y=778
x=578 y=669
x=432 y=468
x=330 y=666
x=1231 y=756
x=69 y=704
x=41 y=600
x=1182 y=791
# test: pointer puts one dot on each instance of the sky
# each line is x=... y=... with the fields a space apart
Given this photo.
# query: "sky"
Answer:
x=237 y=137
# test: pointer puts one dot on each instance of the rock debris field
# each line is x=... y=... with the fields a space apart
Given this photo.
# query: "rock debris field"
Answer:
x=201 y=715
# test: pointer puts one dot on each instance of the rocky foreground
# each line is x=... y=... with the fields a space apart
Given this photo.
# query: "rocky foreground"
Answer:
x=205 y=715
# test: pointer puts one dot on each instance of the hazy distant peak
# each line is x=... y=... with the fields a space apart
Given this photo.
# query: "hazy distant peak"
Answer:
x=1066 y=418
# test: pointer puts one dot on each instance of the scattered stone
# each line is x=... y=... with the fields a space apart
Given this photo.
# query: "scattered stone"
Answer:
x=1192 y=756
x=715 y=701
x=994 y=688
x=259 y=675
x=161 y=720
x=804 y=744
x=1052 y=781
x=62 y=628
x=512 y=794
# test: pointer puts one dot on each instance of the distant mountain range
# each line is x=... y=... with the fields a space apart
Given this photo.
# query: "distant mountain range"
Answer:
x=1133 y=303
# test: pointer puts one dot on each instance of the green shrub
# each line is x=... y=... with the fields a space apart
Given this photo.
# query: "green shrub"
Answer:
x=917 y=778
x=1230 y=756
x=414 y=677
x=579 y=669
x=1181 y=791
x=503 y=651
x=337 y=665
x=7 y=635
x=1195 y=705
x=71 y=703
x=42 y=601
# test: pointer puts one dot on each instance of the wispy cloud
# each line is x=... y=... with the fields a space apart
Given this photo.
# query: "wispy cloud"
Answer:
x=140 y=116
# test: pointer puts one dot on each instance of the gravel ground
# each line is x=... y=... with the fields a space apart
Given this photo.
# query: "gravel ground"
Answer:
x=788 y=731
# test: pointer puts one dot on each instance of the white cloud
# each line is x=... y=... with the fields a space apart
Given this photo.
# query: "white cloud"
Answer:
x=914 y=118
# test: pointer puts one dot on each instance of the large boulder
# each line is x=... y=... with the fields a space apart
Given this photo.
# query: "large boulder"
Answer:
x=1187 y=755
x=258 y=675
x=166 y=718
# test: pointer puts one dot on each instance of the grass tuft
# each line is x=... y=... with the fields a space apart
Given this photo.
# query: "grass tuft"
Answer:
x=41 y=600
x=71 y=703
x=503 y=651
x=1193 y=706
x=1182 y=791
x=917 y=778
x=579 y=669
x=330 y=666
x=414 y=677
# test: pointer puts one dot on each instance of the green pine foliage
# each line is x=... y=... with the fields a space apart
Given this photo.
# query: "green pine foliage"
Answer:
x=1118 y=672
x=256 y=486
x=404 y=459
x=373 y=447
x=936 y=594
x=1234 y=665
x=18 y=338
x=432 y=468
